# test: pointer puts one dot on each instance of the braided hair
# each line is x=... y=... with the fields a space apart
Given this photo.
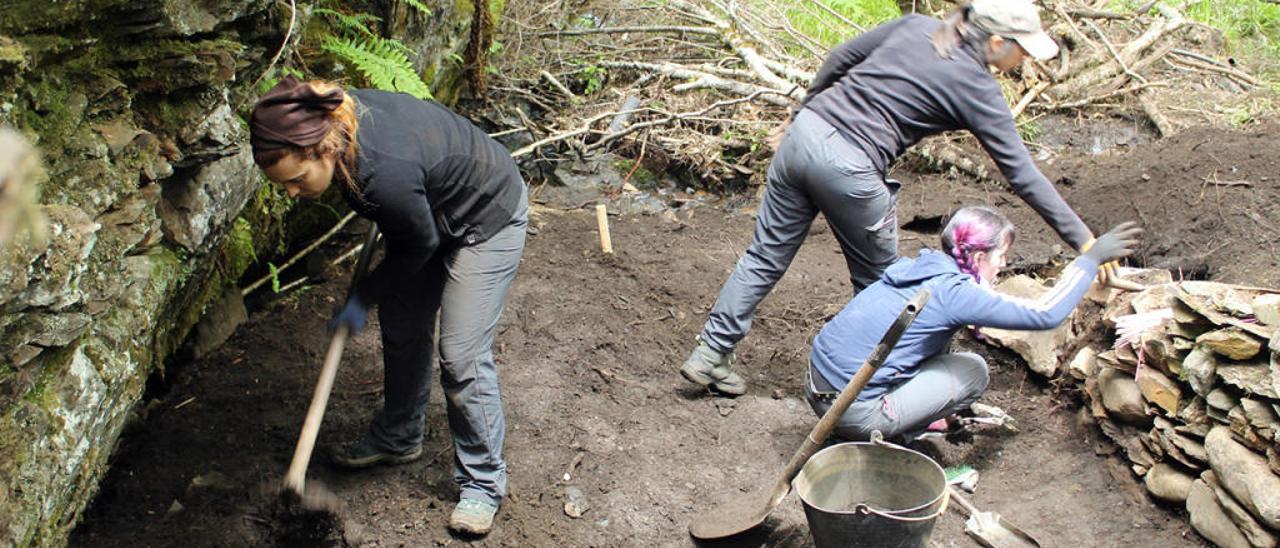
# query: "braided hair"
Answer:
x=972 y=230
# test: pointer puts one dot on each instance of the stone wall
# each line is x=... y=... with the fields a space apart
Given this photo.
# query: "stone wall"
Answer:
x=154 y=210
x=1184 y=377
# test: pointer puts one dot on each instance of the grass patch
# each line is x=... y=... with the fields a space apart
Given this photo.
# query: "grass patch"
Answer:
x=1251 y=27
x=830 y=30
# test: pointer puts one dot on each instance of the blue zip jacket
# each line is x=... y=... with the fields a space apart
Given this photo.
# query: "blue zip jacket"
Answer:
x=957 y=301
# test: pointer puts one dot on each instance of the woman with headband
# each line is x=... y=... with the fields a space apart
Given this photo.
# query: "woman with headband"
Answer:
x=452 y=209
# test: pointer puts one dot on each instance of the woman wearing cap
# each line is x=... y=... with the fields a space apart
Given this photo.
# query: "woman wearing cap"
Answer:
x=452 y=208
x=875 y=96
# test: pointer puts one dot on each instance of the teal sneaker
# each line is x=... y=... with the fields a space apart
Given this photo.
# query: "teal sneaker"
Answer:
x=472 y=516
x=363 y=454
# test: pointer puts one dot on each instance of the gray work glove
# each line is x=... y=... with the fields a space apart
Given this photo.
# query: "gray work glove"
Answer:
x=1117 y=243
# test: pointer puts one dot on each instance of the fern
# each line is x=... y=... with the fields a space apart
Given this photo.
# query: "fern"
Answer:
x=383 y=62
x=419 y=5
x=350 y=23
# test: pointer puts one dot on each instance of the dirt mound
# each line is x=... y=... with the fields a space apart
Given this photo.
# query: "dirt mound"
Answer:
x=1206 y=197
x=588 y=350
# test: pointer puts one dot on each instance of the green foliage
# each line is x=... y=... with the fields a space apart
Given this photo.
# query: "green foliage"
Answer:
x=350 y=23
x=275 y=277
x=828 y=29
x=593 y=78
x=383 y=62
x=1252 y=27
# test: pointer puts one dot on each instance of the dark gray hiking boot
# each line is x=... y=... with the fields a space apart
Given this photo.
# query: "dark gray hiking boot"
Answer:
x=708 y=367
x=363 y=454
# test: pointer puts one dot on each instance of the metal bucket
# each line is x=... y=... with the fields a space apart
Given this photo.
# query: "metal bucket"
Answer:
x=871 y=495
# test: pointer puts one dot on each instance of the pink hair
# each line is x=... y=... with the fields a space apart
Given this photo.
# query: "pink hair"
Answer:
x=971 y=230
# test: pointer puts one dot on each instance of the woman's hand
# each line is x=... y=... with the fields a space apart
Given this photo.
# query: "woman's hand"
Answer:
x=354 y=315
x=1117 y=243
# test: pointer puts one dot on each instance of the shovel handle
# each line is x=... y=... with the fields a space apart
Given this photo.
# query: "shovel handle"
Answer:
x=295 y=478
x=827 y=423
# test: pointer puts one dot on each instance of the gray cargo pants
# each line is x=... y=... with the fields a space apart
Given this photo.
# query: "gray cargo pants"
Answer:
x=945 y=385
x=467 y=287
x=815 y=169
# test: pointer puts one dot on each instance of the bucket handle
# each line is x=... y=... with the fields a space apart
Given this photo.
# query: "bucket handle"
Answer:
x=864 y=509
x=878 y=438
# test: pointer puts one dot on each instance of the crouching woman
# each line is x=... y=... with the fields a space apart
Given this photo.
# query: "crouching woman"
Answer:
x=920 y=382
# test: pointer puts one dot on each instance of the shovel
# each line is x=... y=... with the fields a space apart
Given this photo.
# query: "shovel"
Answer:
x=295 y=478
x=748 y=511
x=989 y=529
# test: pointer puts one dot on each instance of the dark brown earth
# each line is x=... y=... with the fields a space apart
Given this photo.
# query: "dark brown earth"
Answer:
x=588 y=349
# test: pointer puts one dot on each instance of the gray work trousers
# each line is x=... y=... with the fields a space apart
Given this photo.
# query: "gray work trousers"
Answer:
x=466 y=288
x=945 y=385
x=815 y=170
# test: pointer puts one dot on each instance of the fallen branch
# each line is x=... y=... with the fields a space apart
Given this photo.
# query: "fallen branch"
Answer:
x=702 y=80
x=1030 y=96
x=1102 y=65
x=1234 y=74
x=637 y=30
x=1102 y=97
x=1158 y=119
x=299 y=255
x=671 y=118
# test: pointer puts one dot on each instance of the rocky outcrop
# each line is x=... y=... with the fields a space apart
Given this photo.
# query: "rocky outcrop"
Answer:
x=154 y=209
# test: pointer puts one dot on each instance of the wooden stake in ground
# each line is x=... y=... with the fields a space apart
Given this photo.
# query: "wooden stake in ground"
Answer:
x=602 y=222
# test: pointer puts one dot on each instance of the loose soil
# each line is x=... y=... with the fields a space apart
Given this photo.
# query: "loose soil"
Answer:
x=588 y=349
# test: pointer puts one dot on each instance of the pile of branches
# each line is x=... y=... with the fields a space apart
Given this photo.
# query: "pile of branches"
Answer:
x=701 y=82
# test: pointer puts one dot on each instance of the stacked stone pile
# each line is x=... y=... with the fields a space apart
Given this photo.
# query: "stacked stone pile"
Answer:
x=1185 y=378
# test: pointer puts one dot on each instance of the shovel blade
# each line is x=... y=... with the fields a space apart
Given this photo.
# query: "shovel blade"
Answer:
x=992 y=531
x=735 y=516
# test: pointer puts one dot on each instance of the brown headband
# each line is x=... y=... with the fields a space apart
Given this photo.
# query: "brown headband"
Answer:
x=292 y=114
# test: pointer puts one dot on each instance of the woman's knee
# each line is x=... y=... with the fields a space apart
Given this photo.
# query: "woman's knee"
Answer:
x=972 y=371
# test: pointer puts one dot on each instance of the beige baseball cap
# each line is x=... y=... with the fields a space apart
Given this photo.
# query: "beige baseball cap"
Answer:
x=1015 y=19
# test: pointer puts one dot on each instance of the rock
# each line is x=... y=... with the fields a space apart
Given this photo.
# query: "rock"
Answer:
x=1267 y=309
x=1274 y=363
x=1038 y=348
x=219 y=322
x=1260 y=416
x=1210 y=520
x=1232 y=343
x=1216 y=302
x=1166 y=483
x=1194 y=412
x=575 y=503
x=1244 y=433
x=1221 y=399
x=1255 y=533
x=1158 y=389
x=1245 y=475
x=1201 y=370
x=1084 y=364
x=1154 y=298
x=725 y=406
x=175 y=508
x=187 y=208
x=1122 y=397
x=1254 y=378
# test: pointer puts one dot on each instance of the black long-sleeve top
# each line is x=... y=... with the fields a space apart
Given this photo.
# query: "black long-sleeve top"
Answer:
x=887 y=89
x=430 y=178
